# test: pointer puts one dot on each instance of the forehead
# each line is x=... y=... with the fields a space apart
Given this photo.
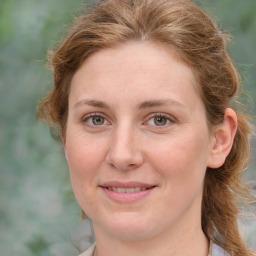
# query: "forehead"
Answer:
x=143 y=69
x=136 y=53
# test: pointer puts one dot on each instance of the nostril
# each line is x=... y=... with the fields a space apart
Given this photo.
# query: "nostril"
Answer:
x=123 y=153
x=123 y=162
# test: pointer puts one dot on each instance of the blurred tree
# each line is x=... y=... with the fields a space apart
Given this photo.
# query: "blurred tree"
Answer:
x=37 y=207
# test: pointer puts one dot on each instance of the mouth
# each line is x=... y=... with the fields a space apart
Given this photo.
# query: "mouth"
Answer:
x=128 y=190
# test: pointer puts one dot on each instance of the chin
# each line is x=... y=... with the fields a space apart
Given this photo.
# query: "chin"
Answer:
x=131 y=233
x=129 y=226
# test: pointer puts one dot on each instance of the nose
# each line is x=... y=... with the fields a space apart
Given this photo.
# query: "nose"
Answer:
x=124 y=152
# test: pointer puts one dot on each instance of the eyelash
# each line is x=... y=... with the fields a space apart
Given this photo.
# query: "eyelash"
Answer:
x=85 y=119
x=169 y=120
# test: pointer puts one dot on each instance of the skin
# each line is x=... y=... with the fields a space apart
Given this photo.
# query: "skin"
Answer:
x=148 y=125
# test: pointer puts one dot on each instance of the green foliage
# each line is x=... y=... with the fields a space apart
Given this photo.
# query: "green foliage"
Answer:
x=37 y=209
x=38 y=246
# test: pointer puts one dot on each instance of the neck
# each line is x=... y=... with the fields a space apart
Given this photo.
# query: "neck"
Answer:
x=187 y=241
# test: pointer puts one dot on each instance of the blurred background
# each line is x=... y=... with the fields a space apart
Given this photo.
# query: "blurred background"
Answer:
x=38 y=212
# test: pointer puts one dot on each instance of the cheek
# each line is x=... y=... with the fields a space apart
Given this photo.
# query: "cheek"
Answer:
x=84 y=160
x=182 y=165
x=182 y=160
x=82 y=169
x=83 y=155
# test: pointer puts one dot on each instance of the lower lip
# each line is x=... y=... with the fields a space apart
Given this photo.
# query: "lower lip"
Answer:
x=126 y=197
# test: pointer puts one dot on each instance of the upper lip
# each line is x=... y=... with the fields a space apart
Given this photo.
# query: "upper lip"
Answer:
x=131 y=184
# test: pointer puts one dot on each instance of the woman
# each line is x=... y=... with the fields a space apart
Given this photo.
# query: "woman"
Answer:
x=143 y=101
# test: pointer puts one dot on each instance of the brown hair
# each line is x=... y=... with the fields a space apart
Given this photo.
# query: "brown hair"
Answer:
x=195 y=37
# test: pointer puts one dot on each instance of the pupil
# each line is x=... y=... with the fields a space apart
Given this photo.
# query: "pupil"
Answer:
x=160 y=120
x=97 y=120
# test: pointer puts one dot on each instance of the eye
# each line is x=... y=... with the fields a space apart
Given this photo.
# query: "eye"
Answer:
x=160 y=120
x=95 y=119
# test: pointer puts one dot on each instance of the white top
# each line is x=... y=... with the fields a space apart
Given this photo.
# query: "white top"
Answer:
x=214 y=250
x=89 y=252
x=217 y=251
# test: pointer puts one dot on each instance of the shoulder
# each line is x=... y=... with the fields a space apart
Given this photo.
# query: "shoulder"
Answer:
x=89 y=252
x=215 y=251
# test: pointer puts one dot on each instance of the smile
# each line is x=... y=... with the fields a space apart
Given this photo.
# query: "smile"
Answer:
x=130 y=192
x=127 y=190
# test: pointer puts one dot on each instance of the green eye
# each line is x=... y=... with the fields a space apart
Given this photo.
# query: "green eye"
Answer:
x=97 y=120
x=160 y=120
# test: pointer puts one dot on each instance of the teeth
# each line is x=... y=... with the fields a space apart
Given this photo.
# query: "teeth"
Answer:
x=119 y=190
x=127 y=190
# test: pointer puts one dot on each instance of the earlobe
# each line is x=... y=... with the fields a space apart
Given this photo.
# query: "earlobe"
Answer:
x=223 y=137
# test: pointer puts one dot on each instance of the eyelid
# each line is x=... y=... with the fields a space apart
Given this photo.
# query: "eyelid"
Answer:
x=170 y=118
x=93 y=114
x=160 y=114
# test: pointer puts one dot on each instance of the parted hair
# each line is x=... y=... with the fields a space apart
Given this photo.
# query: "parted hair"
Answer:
x=195 y=37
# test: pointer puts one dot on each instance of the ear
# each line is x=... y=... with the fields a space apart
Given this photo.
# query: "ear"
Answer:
x=222 y=139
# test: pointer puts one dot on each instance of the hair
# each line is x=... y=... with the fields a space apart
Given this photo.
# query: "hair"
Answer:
x=197 y=40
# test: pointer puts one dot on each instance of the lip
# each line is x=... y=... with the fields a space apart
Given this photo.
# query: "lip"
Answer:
x=123 y=197
x=130 y=184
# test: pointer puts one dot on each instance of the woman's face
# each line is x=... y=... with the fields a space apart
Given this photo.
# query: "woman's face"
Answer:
x=137 y=142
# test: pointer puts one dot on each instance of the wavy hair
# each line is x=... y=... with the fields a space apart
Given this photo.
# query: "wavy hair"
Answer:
x=197 y=40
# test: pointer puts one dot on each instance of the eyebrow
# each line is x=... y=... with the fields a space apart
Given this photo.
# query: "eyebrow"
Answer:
x=93 y=103
x=143 y=105
x=159 y=103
